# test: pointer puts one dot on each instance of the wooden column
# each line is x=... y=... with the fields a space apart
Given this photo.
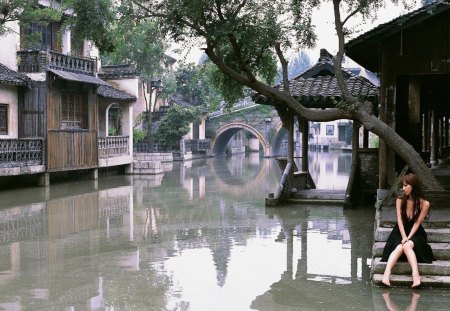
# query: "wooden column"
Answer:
x=365 y=138
x=387 y=108
x=305 y=133
x=446 y=131
x=290 y=147
x=434 y=138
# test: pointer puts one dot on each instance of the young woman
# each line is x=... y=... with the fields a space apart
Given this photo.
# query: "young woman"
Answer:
x=408 y=238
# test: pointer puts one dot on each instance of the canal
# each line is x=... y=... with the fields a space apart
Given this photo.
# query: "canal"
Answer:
x=196 y=238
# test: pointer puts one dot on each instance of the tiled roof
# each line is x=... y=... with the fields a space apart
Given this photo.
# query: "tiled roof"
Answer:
x=111 y=93
x=317 y=87
x=118 y=71
x=401 y=22
x=78 y=77
x=11 y=77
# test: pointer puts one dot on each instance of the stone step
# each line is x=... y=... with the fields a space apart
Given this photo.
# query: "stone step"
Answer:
x=318 y=194
x=147 y=168
x=434 y=281
x=147 y=171
x=438 y=235
x=441 y=251
x=437 y=217
x=438 y=267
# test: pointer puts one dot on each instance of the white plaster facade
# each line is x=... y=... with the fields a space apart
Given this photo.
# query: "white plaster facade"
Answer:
x=8 y=96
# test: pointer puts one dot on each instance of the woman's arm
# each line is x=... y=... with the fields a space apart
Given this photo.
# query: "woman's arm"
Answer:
x=424 y=211
x=398 y=205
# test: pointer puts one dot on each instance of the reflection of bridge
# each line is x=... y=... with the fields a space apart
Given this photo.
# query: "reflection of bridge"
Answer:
x=258 y=121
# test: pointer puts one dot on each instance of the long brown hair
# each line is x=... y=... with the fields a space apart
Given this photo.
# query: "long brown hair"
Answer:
x=416 y=195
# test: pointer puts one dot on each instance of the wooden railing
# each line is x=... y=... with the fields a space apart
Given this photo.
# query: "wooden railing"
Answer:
x=70 y=150
x=21 y=152
x=113 y=146
x=114 y=206
x=39 y=61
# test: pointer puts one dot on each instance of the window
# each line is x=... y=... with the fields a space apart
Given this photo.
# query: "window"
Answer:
x=39 y=36
x=330 y=130
x=114 y=120
x=3 y=119
x=73 y=110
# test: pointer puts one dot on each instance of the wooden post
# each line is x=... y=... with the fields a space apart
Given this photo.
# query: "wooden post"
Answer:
x=44 y=180
x=290 y=147
x=305 y=134
x=434 y=138
x=365 y=138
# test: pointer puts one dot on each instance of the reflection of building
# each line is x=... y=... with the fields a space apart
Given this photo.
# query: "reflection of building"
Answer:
x=50 y=248
x=330 y=170
x=330 y=135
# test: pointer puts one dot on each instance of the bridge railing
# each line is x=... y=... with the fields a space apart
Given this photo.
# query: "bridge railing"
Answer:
x=145 y=147
x=197 y=145
x=244 y=102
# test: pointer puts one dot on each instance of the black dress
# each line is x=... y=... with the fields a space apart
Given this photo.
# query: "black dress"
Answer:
x=421 y=248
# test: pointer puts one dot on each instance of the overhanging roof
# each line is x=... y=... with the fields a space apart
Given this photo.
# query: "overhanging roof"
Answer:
x=11 y=77
x=363 y=48
x=77 y=77
x=112 y=93
x=317 y=87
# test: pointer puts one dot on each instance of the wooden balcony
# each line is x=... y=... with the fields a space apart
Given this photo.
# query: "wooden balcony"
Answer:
x=113 y=146
x=40 y=61
x=20 y=152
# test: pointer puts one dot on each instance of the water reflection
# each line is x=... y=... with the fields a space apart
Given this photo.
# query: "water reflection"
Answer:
x=330 y=170
x=196 y=238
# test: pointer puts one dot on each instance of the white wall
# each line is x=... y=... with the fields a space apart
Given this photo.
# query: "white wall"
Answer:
x=8 y=95
x=10 y=44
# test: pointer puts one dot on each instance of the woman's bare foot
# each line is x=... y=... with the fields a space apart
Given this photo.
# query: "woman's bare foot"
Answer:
x=416 y=280
x=385 y=280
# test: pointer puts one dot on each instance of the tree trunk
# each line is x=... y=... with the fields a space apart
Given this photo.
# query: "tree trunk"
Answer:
x=401 y=147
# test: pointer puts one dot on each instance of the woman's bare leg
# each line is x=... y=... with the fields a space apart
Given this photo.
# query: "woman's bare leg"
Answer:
x=392 y=260
x=414 y=302
x=390 y=305
x=412 y=259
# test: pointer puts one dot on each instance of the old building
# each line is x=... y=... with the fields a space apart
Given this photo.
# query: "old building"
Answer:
x=55 y=103
x=412 y=55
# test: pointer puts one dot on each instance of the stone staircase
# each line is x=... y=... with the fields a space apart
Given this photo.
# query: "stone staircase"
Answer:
x=437 y=226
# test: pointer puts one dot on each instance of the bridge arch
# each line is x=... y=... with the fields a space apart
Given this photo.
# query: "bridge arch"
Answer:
x=225 y=132
x=279 y=134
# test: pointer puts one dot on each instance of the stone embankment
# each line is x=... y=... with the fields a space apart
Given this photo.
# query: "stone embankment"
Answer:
x=150 y=163
x=437 y=226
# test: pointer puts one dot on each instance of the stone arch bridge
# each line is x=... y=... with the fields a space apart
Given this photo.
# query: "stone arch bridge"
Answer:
x=258 y=121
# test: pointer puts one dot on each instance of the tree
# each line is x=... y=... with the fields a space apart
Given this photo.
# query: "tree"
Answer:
x=175 y=124
x=246 y=39
x=25 y=12
x=298 y=64
x=195 y=84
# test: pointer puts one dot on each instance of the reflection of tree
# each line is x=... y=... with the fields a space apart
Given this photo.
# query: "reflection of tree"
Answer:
x=133 y=290
x=217 y=221
x=306 y=291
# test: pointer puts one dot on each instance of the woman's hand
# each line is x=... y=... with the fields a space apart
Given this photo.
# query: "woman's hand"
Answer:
x=404 y=240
